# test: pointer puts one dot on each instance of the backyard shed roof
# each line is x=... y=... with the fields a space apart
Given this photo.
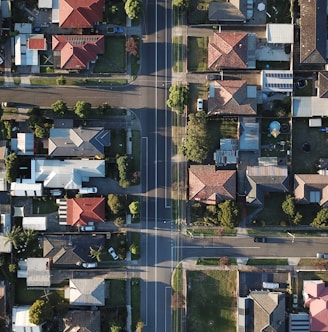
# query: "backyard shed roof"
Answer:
x=280 y=33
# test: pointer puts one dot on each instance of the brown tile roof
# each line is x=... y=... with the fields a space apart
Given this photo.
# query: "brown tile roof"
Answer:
x=210 y=186
x=80 y=13
x=311 y=188
x=80 y=211
x=82 y=321
x=228 y=50
x=313 y=31
x=76 y=51
x=230 y=97
x=36 y=44
x=323 y=84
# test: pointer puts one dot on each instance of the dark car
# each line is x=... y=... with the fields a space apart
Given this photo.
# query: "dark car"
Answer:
x=260 y=239
x=213 y=77
x=118 y=30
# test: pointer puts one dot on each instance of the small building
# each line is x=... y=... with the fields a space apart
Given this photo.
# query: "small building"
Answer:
x=26 y=189
x=36 y=271
x=277 y=81
x=35 y=223
x=228 y=152
x=21 y=322
x=23 y=144
x=280 y=33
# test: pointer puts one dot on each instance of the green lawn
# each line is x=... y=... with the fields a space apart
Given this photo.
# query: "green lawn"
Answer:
x=118 y=142
x=211 y=301
x=198 y=12
x=45 y=81
x=177 y=279
x=197 y=53
x=136 y=141
x=44 y=206
x=304 y=162
x=117 y=296
x=310 y=275
x=177 y=53
x=114 y=58
x=135 y=301
x=265 y=261
x=210 y=231
x=311 y=261
x=213 y=261
x=306 y=91
x=283 y=11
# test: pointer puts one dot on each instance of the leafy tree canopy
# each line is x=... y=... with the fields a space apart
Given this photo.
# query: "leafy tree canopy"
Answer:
x=228 y=214
x=40 y=311
x=133 y=9
x=82 y=109
x=134 y=207
x=178 y=97
x=59 y=107
x=181 y=4
x=321 y=219
x=116 y=203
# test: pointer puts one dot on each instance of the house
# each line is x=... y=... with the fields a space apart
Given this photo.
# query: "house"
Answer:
x=78 y=142
x=82 y=320
x=70 y=251
x=36 y=271
x=315 y=294
x=278 y=33
x=86 y=292
x=21 y=322
x=313 y=106
x=211 y=186
x=65 y=174
x=76 y=51
x=268 y=311
x=313 y=32
x=311 y=188
x=277 y=81
x=231 y=49
x=228 y=152
x=264 y=179
x=81 y=211
x=232 y=97
x=3 y=155
x=233 y=11
x=23 y=145
x=80 y=13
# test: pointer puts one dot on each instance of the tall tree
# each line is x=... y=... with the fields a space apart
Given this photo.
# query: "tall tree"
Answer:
x=321 y=218
x=181 y=4
x=134 y=207
x=228 y=214
x=96 y=253
x=116 y=203
x=82 y=109
x=59 y=107
x=178 y=97
x=288 y=207
x=197 y=143
x=133 y=9
x=14 y=236
x=40 y=311
x=131 y=46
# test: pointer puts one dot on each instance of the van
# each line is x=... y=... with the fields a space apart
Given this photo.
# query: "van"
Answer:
x=91 y=190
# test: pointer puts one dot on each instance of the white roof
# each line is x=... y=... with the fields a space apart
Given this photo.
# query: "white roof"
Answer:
x=45 y=4
x=277 y=80
x=310 y=106
x=38 y=272
x=35 y=223
x=280 y=33
x=25 y=189
x=20 y=319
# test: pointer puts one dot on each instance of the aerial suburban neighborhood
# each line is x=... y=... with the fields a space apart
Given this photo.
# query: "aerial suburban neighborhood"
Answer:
x=163 y=166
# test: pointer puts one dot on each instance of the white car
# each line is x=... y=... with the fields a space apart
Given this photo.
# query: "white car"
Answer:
x=199 y=104
x=56 y=192
x=91 y=190
x=88 y=228
x=91 y=265
x=112 y=252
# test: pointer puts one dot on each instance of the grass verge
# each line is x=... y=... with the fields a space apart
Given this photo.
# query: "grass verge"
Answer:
x=267 y=261
x=211 y=301
x=135 y=301
x=135 y=238
x=177 y=53
x=213 y=262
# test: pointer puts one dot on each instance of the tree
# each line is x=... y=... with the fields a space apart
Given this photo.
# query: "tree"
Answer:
x=197 y=143
x=224 y=261
x=211 y=215
x=181 y=4
x=321 y=218
x=96 y=253
x=133 y=9
x=40 y=132
x=115 y=327
x=134 y=208
x=288 y=207
x=124 y=170
x=104 y=109
x=134 y=249
x=36 y=117
x=40 y=311
x=11 y=163
x=228 y=214
x=116 y=203
x=131 y=46
x=12 y=268
x=178 y=97
x=14 y=236
x=28 y=235
x=119 y=221
x=59 y=107
x=82 y=109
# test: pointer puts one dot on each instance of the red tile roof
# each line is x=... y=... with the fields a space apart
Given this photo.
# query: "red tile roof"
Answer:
x=36 y=44
x=228 y=50
x=211 y=186
x=230 y=97
x=80 y=13
x=80 y=211
x=76 y=51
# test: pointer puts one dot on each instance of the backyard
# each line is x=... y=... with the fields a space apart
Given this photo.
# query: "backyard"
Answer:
x=305 y=161
x=211 y=301
x=198 y=12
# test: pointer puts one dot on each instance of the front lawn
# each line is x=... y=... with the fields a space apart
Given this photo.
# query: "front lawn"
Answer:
x=279 y=11
x=198 y=12
x=135 y=301
x=177 y=53
x=267 y=261
x=211 y=301
x=302 y=161
x=114 y=58
x=117 y=292
x=44 y=205
x=197 y=53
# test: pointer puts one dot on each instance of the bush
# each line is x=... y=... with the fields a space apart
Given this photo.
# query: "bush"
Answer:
x=119 y=221
x=283 y=223
x=61 y=80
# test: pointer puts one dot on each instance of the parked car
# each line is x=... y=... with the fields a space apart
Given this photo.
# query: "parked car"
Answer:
x=90 y=190
x=118 y=30
x=91 y=265
x=88 y=228
x=7 y=104
x=260 y=239
x=112 y=252
x=295 y=301
x=199 y=104
x=56 y=192
x=213 y=77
